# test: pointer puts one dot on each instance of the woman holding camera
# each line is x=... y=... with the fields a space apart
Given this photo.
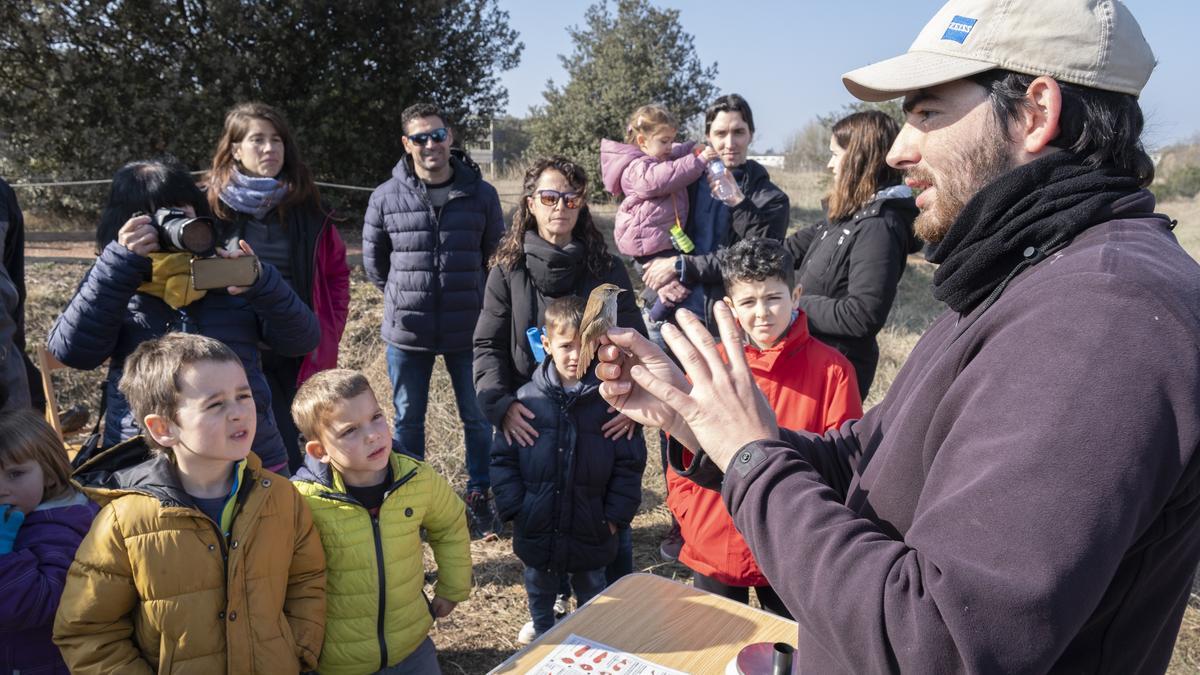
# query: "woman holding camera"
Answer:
x=136 y=291
x=264 y=193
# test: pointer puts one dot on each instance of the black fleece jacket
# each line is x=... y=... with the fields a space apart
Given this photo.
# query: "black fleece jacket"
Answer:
x=849 y=271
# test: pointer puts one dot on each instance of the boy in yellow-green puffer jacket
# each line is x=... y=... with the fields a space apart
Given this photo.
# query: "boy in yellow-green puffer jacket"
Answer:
x=369 y=504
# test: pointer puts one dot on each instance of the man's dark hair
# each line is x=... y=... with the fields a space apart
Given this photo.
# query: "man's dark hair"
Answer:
x=730 y=103
x=1103 y=128
x=423 y=109
x=757 y=259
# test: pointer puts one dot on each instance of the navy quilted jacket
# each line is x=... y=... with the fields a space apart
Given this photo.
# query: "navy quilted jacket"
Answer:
x=108 y=319
x=431 y=269
x=562 y=492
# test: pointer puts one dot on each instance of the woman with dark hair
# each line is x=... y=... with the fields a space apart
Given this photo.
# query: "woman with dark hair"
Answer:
x=263 y=190
x=850 y=263
x=553 y=249
x=137 y=291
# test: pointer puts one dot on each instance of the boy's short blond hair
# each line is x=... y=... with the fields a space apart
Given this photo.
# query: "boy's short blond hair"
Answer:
x=320 y=393
x=564 y=312
x=150 y=381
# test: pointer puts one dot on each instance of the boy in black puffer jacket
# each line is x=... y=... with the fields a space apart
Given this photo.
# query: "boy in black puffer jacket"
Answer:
x=573 y=489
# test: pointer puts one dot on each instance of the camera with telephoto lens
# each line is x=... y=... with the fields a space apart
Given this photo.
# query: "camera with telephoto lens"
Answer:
x=178 y=232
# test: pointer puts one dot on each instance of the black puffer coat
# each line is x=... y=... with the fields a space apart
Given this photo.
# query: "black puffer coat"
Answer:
x=849 y=272
x=430 y=268
x=515 y=302
x=563 y=491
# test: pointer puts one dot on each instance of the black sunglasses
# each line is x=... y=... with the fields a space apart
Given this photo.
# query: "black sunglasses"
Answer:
x=438 y=135
x=573 y=200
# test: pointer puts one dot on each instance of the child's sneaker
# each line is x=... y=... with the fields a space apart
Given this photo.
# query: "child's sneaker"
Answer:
x=562 y=607
x=671 y=544
x=482 y=519
x=527 y=634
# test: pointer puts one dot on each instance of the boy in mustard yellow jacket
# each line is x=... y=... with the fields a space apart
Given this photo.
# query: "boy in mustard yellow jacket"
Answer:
x=200 y=560
x=370 y=504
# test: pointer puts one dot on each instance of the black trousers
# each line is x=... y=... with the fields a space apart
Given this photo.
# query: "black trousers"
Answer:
x=766 y=595
x=281 y=373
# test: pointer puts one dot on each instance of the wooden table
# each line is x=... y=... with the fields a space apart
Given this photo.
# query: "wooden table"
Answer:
x=663 y=621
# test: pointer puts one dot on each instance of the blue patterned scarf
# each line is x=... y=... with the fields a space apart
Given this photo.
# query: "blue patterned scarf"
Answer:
x=253 y=195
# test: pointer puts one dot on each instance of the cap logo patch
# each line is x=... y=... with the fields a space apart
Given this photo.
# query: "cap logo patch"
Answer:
x=958 y=30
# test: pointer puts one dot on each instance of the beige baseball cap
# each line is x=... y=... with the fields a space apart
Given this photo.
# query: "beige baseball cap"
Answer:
x=1094 y=43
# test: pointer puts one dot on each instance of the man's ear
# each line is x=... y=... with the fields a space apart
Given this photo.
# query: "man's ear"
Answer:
x=1039 y=123
x=315 y=450
x=162 y=430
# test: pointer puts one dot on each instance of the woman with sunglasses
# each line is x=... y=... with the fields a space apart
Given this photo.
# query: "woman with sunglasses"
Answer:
x=552 y=249
x=263 y=191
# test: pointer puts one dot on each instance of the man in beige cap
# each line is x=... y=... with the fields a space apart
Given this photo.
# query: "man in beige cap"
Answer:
x=1027 y=497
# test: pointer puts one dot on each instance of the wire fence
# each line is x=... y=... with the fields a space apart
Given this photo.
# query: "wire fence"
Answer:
x=505 y=198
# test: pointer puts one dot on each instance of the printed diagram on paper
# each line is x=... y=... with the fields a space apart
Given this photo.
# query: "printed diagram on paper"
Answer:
x=580 y=656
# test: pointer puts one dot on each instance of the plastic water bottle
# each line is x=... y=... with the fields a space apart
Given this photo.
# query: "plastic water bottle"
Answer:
x=724 y=188
x=534 y=335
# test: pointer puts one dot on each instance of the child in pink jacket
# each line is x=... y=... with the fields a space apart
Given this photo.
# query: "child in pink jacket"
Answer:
x=653 y=172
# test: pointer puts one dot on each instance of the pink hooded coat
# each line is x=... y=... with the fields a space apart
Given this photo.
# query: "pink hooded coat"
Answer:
x=644 y=220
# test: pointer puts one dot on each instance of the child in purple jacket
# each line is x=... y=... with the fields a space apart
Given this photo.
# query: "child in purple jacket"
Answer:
x=42 y=520
x=653 y=172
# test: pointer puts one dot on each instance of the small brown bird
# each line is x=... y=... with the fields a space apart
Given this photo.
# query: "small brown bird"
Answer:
x=599 y=315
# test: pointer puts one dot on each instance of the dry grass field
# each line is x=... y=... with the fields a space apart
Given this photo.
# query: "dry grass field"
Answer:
x=482 y=631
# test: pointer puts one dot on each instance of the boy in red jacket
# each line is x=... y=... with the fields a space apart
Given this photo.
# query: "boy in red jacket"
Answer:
x=809 y=385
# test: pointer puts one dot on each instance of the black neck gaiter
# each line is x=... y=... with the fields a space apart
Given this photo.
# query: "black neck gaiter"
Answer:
x=1024 y=215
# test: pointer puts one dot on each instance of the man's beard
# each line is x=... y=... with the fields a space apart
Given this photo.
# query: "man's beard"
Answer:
x=966 y=175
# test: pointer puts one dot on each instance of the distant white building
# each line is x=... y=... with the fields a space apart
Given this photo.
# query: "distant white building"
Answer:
x=773 y=161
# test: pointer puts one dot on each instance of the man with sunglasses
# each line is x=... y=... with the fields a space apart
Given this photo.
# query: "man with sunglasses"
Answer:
x=428 y=234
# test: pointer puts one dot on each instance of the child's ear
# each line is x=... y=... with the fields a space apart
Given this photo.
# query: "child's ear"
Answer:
x=162 y=430
x=545 y=342
x=796 y=293
x=316 y=451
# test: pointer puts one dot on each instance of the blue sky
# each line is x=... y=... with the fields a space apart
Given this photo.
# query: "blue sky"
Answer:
x=787 y=58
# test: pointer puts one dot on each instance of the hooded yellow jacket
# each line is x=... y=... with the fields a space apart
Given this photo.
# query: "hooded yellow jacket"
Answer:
x=156 y=587
x=378 y=613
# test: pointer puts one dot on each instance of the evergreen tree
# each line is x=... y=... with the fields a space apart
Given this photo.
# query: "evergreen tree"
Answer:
x=86 y=86
x=637 y=55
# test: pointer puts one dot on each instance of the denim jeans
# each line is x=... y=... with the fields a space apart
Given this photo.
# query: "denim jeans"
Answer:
x=542 y=588
x=411 y=373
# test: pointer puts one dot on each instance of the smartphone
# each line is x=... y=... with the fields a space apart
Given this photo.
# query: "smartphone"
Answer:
x=210 y=273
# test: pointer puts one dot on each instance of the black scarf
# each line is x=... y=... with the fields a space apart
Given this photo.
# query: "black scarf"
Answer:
x=555 y=271
x=1019 y=219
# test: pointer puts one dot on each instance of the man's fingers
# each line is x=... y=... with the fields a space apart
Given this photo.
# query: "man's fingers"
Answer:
x=631 y=341
x=697 y=333
x=693 y=362
x=731 y=337
x=683 y=405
